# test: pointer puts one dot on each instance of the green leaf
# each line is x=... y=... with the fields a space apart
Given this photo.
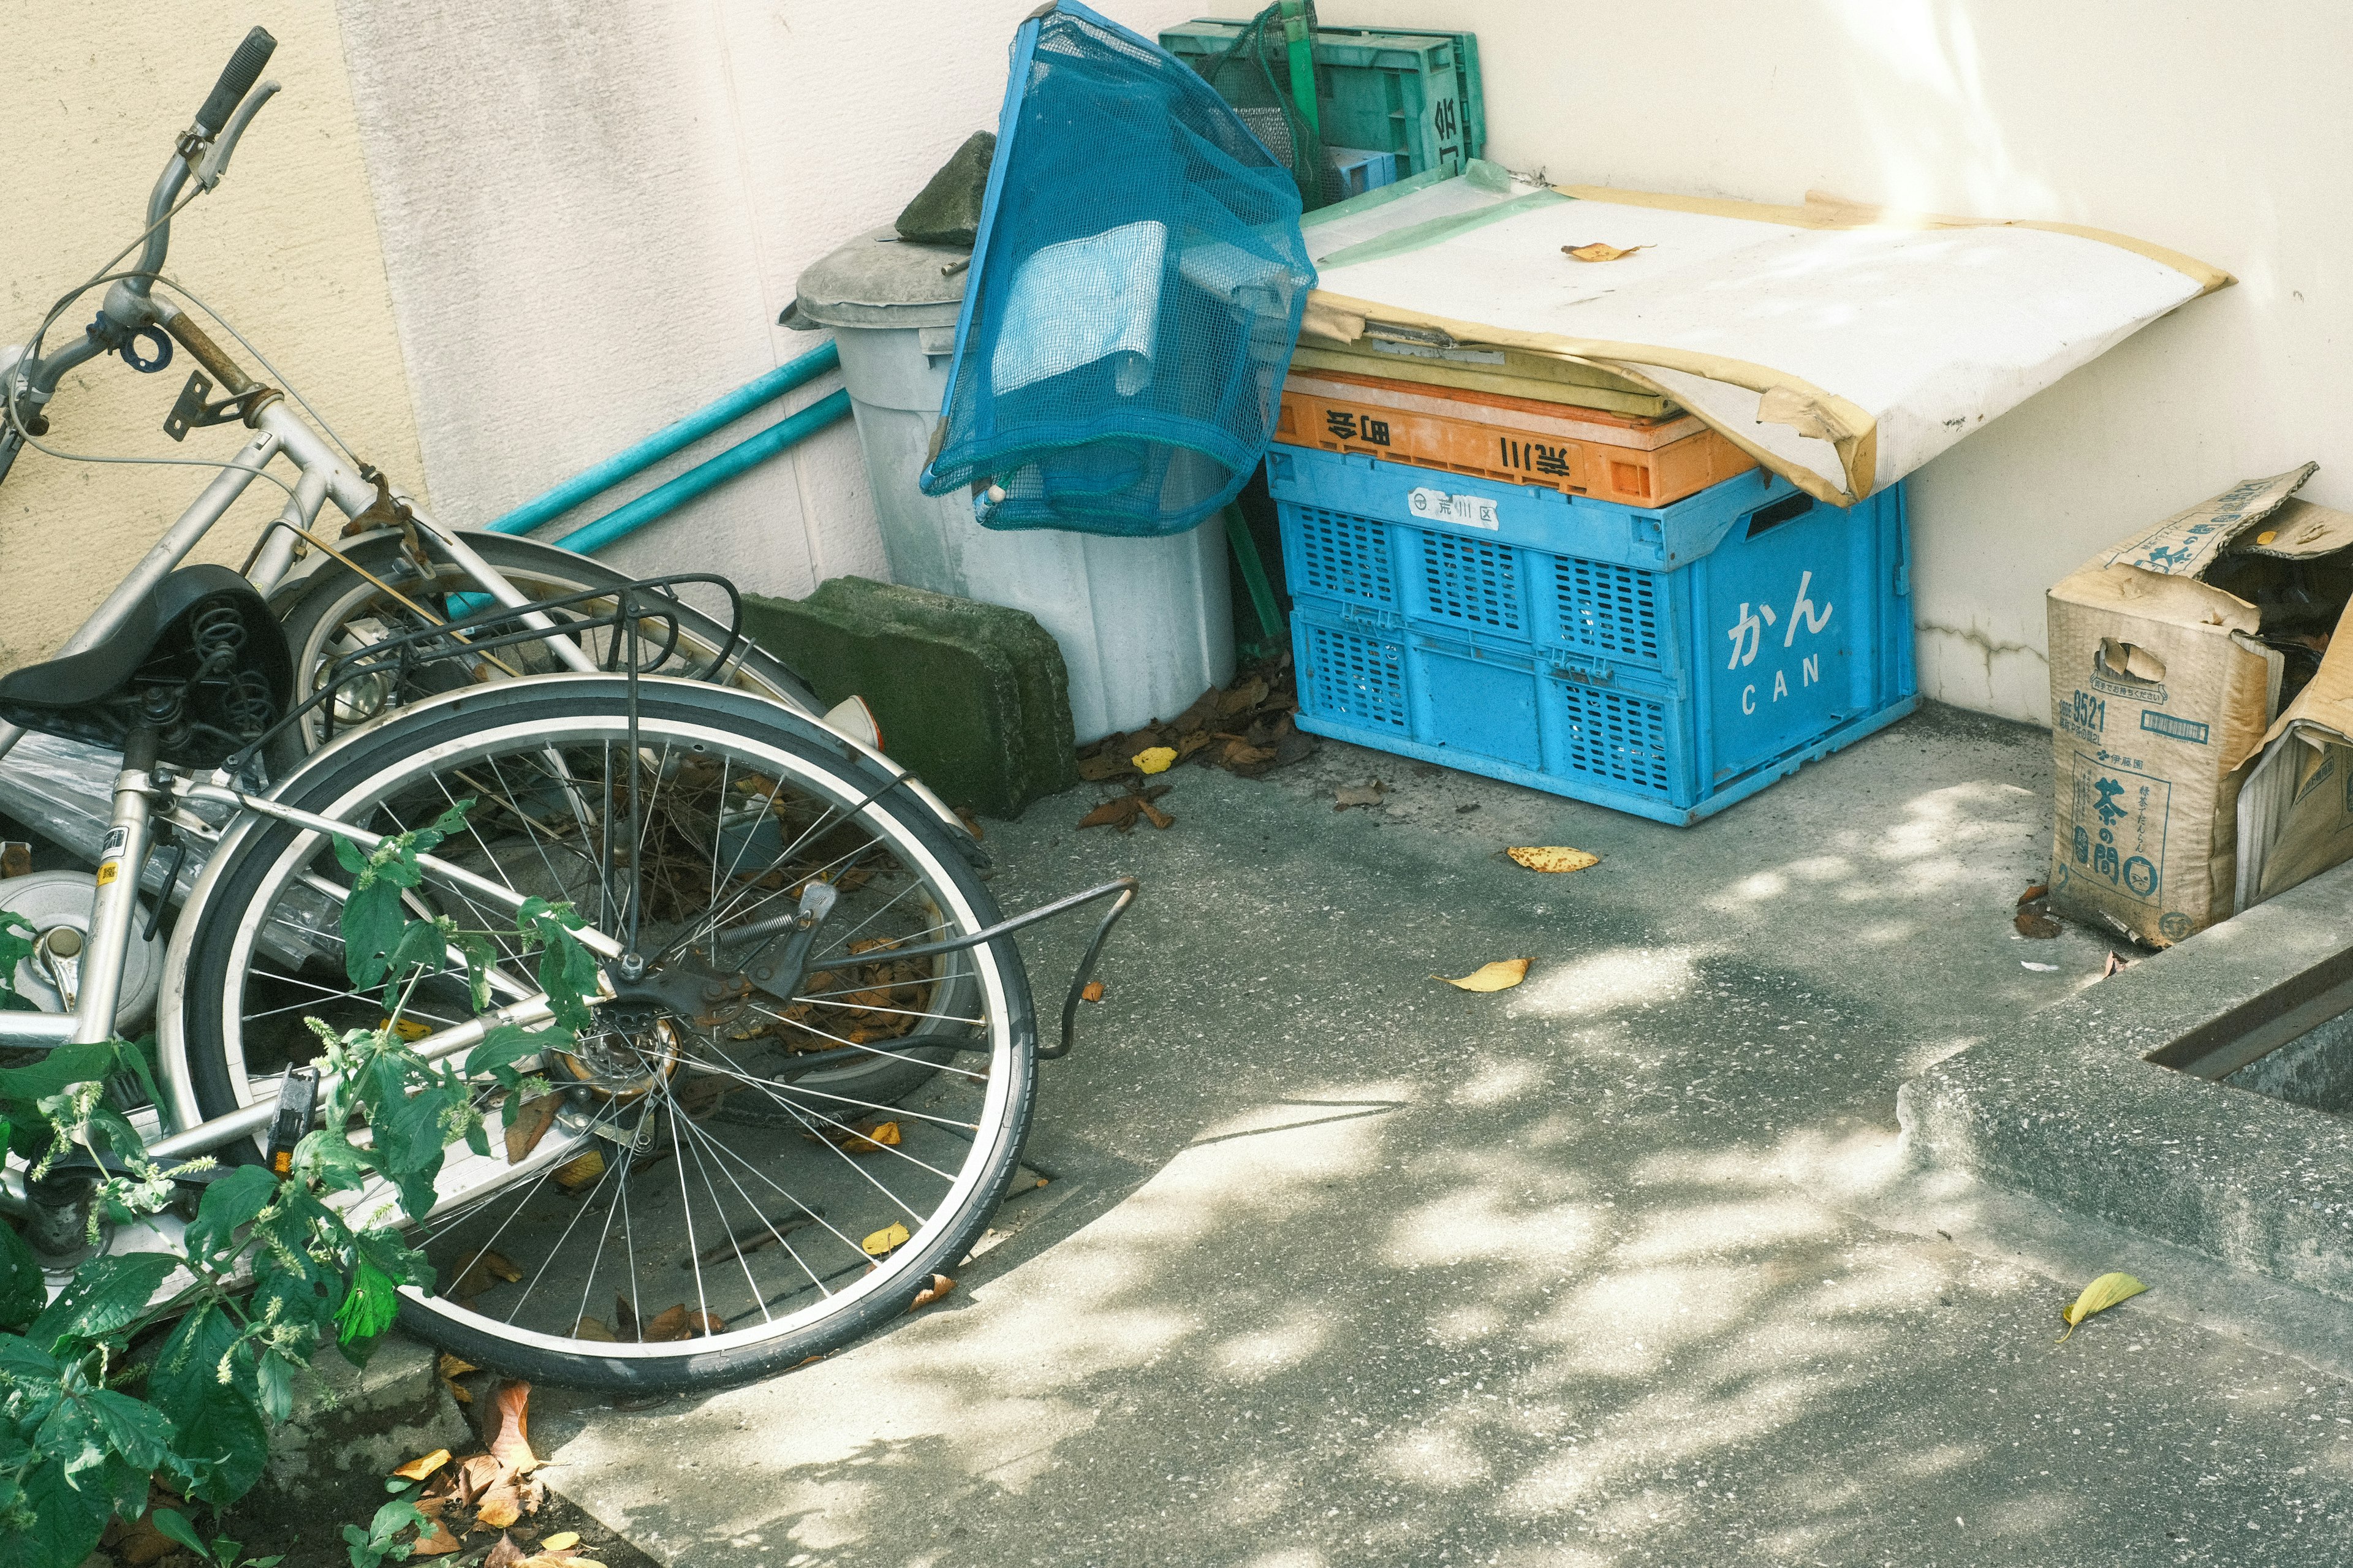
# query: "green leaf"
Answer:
x=172 y=1522
x=135 y=1428
x=74 y=1437
x=449 y=824
x=108 y=1294
x=273 y=1376
x=479 y=957
x=327 y=1157
x=508 y=1043
x=350 y=855
x=23 y=1291
x=421 y=945
x=220 y=1443
x=63 y=1067
x=62 y=1523
x=370 y=1305
x=372 y=922
x=373 y=1545
x=230 y=1202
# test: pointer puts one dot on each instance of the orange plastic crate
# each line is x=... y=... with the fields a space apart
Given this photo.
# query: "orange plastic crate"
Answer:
x=1631 y=460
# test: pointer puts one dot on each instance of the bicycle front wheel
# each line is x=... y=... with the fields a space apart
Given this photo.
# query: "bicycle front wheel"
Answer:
x=710 y=1190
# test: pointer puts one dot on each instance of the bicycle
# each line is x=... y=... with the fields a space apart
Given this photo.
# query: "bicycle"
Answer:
x=812 y=1058
x=806 y=993
x=393 y=568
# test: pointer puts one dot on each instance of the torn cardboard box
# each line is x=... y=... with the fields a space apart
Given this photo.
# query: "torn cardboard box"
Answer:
x=2170 y=653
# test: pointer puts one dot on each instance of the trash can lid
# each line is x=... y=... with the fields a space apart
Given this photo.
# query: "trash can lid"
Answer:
x=880 y=280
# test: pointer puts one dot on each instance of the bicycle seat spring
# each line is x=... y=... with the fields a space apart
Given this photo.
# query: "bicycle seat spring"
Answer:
x=218 y=629
x=246 y=703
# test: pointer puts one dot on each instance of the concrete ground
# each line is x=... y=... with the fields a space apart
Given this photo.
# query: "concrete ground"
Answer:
x=1344 y=1265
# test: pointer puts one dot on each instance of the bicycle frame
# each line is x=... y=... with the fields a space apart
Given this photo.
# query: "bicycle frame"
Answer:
x=143 y=791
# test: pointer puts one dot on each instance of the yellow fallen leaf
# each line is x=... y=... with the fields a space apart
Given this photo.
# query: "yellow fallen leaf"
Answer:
x=1554 y=858
x=1500 y=975
x=561 y=1540
x=1598 y=251
x=884 y=1242
x=417 y=1469
x=1154 y=759
x=406 y=1029
x=2098 y=1296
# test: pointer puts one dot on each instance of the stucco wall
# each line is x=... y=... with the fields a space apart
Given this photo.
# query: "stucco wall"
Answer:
x=2216 y=129
x=593 y=214
x=92 y=98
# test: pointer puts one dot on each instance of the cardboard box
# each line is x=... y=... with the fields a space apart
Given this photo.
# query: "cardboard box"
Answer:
x=2170 y=653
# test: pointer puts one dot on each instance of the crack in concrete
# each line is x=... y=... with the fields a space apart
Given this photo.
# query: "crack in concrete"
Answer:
x=1986 y=645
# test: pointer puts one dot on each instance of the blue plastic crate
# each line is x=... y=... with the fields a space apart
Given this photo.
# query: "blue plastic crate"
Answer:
x=1665 y=662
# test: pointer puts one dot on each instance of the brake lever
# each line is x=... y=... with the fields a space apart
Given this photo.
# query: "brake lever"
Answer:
x=215 y=163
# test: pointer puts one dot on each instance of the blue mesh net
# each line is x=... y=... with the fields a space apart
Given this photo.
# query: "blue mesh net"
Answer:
x=1135 y=295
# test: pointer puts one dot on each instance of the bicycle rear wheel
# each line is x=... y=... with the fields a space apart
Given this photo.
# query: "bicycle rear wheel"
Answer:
x=695 y=1179
x=337 y=610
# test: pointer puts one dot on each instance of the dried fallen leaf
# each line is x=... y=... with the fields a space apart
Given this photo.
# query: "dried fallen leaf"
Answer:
x=509 y=1435
x=1154 y=759
x=477 y=1474
x=590 y=1328
x=1597 y=251
x=1153 y=814
x=940 y=1286
x=2030 y=921
x=528 y=1125
x=2098 y=1296
x=1103 y=767
x=970 y=823
x=505 y=1554
x=500 y=1506
x=435 y=1543
x=1119 y=814
x=1500 y=975
x=2039 y=891
x=1365 y=794
x=562 y=1541
x=478 y=1271
x=886 y=1241
x=140 y=1542
x=450 y=1369
x=2115 y=965
x=417 y=1469
x=1554 y=858
x=1093 y=991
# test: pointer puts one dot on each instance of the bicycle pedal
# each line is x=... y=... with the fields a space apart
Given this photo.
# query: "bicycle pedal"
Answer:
x=297 y=1099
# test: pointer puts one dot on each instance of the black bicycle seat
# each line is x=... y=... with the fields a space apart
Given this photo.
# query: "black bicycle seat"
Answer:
x=200 y=659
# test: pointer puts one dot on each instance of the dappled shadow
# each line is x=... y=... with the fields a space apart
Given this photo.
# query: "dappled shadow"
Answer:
x=1358 y=1269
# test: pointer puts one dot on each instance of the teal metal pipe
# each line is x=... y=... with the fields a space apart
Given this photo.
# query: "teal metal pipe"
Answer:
x=636 y=459
x=661 y=501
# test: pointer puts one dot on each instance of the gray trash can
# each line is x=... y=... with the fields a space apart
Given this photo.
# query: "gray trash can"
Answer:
x=1144 y=625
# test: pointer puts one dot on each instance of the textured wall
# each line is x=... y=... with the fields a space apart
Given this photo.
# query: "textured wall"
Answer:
x=92 y=98
x=2214 y=128
x=594 y=213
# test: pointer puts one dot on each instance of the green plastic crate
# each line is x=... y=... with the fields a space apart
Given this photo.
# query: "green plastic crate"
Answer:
x=1406 y=93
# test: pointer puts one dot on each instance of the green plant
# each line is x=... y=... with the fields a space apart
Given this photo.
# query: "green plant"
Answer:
x=269 y=1272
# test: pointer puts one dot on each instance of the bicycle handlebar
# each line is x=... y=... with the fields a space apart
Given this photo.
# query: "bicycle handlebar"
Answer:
x=237 y=80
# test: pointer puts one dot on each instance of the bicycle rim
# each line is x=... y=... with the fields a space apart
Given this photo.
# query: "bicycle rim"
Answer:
x=646 y=1208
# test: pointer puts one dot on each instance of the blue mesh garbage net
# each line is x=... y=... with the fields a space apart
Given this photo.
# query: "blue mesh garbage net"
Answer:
x=1134 y=294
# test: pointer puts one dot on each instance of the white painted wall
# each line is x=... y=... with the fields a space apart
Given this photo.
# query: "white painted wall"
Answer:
x=2217 y=129
x=594 y=213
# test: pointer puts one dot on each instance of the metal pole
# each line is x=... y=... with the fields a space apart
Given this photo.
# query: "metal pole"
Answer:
x=661 y=502
x=636 y=459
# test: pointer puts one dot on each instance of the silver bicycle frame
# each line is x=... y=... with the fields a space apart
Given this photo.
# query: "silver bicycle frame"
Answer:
x=115 y=910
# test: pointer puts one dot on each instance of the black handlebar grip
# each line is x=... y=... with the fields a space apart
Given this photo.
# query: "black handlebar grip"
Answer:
x=237 y=80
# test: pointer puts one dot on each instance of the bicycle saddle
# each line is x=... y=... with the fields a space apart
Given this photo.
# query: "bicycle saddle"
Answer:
x=200 y=659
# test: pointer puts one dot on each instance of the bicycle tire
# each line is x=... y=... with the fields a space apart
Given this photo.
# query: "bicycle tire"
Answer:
x=312 y=608
x=214 y=954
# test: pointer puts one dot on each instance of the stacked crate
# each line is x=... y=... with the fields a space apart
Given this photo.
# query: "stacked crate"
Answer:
x=1543 y=572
